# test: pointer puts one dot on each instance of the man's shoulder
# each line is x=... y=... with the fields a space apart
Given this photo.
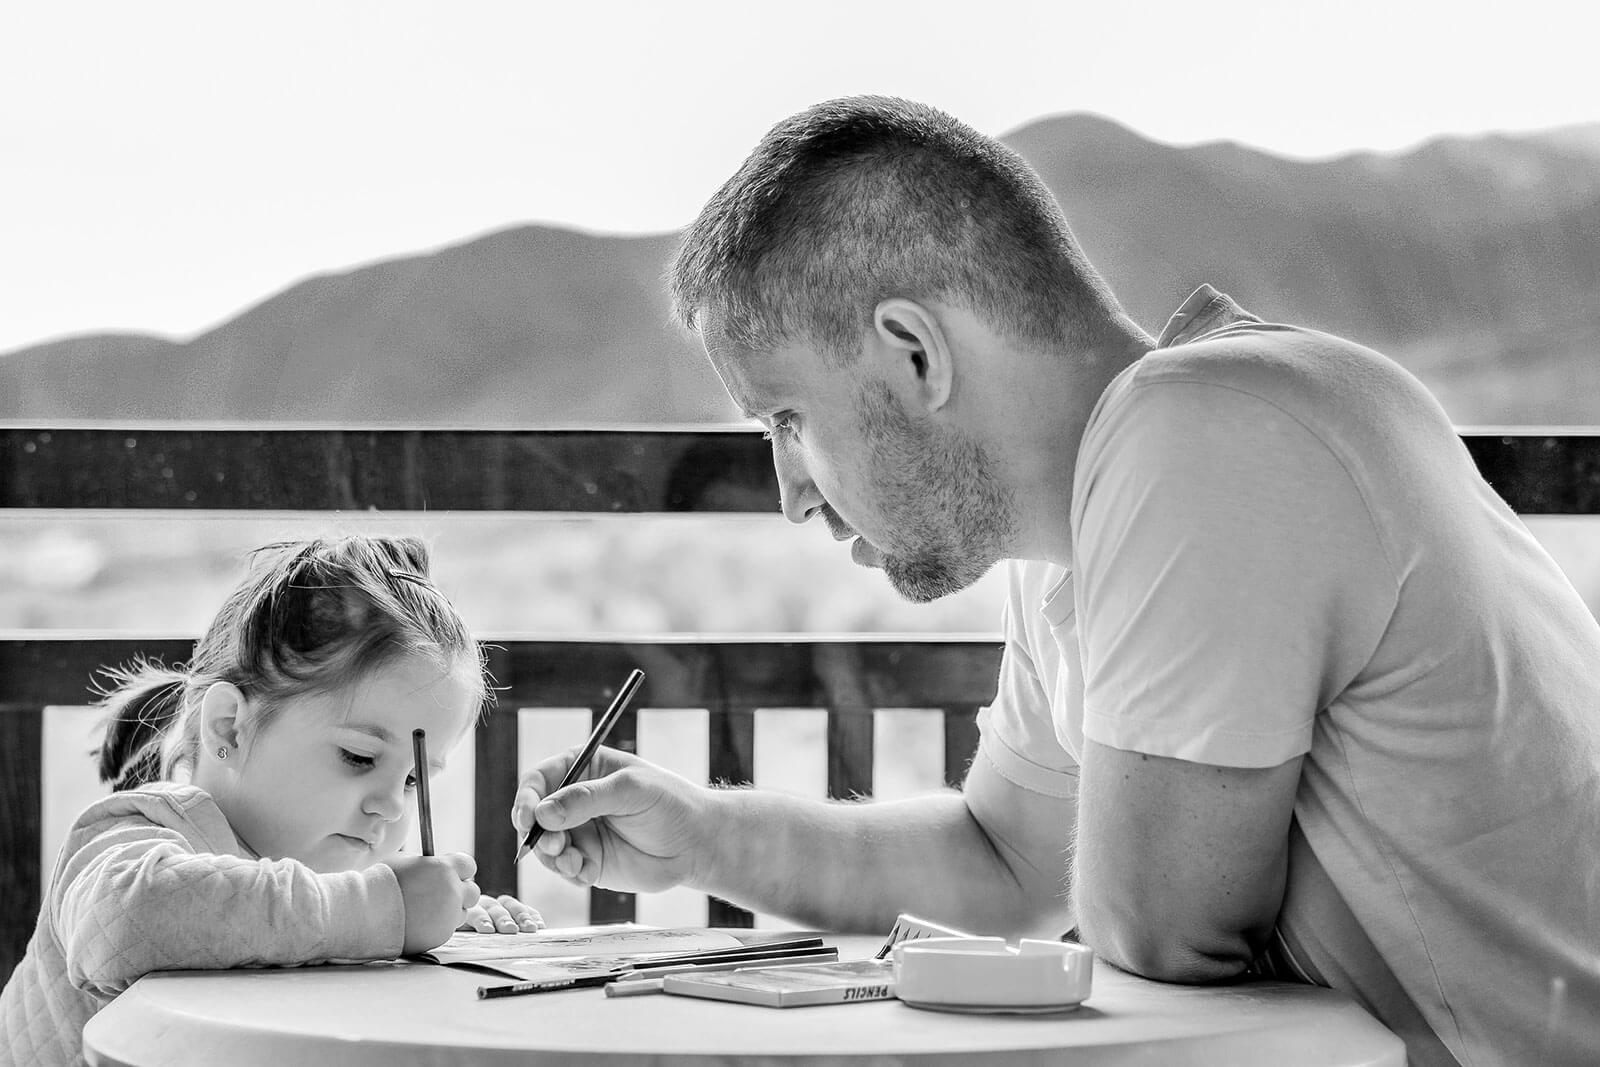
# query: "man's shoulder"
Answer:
x=1266 y=356
x=1330 y=384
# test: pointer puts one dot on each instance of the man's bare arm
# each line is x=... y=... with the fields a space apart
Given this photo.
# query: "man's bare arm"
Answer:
x=1180 y=867
x=989 y=860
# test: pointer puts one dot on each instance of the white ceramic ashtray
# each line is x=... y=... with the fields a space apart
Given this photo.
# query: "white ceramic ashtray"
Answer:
x=984 y=974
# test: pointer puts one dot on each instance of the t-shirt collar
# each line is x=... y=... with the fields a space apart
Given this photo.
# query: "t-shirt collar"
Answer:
x=1204 y=311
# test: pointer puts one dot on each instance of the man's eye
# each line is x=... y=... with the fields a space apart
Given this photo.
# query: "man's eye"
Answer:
x=783 y=426
x=355 y=759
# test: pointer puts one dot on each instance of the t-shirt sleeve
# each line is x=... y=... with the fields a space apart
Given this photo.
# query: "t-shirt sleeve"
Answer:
x=1017 y=735
x=1231 y=581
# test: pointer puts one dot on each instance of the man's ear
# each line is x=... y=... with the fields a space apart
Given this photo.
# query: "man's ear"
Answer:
x=223 y=712
x=918 y=353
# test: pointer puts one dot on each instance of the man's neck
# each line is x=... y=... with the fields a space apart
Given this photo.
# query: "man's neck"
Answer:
x=1058 y=408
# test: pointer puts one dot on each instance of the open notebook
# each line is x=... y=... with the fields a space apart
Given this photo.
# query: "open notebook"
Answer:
x=586 y=951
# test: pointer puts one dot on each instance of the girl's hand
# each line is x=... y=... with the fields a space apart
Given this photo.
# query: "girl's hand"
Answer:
x=436 y=891
x=503 y=914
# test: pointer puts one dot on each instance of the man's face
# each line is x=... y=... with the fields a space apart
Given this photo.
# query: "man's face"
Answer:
x=920 y=500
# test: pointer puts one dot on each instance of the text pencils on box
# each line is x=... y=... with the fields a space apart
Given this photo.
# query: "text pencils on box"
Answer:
x=649 y=979
x=793 y=986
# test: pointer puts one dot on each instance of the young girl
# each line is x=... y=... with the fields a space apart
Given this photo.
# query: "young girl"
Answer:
x=262 y=795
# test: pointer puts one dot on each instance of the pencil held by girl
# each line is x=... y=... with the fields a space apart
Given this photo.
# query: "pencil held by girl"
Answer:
x=263 y=793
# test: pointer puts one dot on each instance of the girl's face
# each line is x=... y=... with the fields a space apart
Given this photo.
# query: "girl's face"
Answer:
x=329 y=781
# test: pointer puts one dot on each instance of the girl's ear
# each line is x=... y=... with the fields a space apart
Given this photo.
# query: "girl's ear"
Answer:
x=223 y=710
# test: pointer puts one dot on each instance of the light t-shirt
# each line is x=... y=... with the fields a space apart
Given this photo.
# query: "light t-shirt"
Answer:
x=1282 y=548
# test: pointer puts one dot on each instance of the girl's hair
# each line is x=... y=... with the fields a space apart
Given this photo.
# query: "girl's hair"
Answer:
x=310 y=617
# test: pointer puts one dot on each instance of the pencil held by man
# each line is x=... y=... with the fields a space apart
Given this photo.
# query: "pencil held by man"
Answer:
x=580 y=762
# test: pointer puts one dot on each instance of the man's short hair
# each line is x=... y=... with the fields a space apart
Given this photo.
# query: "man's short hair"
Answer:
x=860 y=199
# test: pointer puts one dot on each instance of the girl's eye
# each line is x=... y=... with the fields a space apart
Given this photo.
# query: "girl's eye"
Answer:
x=411 y=781
x=356 y=759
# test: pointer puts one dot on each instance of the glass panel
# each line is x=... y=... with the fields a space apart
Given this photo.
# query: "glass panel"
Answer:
x=169 y=572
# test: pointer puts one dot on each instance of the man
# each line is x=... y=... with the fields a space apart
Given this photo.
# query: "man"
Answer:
x=1286 y=686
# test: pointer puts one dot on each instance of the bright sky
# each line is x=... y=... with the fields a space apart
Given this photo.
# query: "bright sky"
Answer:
x=164 y=165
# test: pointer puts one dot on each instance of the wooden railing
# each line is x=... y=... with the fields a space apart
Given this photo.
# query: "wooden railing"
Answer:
x=602 y=472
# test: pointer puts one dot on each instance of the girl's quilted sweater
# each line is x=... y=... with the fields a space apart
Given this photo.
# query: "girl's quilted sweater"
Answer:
x=153 y=879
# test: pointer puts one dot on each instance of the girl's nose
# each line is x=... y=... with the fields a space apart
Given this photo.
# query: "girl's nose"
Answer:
x=387 y=802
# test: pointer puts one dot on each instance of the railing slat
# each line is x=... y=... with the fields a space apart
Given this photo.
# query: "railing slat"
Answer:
x=731 y=760
x=960 y=743
x=850 y=745
x=21 y=801
x=494 y=783
x=609 y=905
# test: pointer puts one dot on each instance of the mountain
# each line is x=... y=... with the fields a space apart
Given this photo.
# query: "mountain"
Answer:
x=1474 y=261
x=531 y=326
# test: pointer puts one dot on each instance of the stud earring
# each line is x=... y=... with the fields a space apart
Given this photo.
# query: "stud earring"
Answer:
x=222 y=753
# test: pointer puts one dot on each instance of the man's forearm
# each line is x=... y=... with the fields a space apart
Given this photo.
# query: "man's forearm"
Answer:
x=855 y=866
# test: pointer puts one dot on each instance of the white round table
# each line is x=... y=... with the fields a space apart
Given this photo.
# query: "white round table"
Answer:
x=398 y=1014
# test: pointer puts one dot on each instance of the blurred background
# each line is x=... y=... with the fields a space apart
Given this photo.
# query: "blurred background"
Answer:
x=456 y=215
x=431 y=214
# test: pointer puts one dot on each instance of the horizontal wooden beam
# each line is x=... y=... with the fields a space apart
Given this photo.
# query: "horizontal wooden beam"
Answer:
x=1541 y=474
x=595 y=471
x=560 y=471
x=846 y=675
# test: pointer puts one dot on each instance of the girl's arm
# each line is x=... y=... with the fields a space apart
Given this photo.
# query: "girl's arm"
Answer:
x=138 y=897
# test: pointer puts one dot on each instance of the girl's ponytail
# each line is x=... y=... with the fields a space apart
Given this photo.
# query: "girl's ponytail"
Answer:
x=310 y=617
x=142 y=701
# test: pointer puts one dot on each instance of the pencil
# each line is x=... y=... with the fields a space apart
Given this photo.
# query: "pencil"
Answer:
x=640 y=974
x=419 y=752
x=601 y=729
x=647 y=980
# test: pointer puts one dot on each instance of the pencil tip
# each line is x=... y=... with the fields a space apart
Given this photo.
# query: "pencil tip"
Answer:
x=522 y=850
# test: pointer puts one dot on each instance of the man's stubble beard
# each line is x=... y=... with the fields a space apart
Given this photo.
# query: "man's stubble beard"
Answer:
x=952 y=517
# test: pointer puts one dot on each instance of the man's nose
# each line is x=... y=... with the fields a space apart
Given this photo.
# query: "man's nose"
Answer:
x=798 y=494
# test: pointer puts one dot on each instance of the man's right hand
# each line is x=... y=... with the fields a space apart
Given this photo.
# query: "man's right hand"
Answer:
x=631 y=826
x=436 y=891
